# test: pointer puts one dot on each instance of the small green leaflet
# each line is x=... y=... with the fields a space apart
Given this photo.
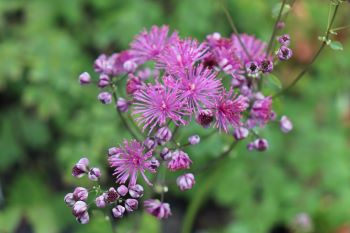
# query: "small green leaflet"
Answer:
x=336 y=45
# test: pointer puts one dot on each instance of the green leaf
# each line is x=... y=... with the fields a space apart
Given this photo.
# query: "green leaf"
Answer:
x=276 y=9
x=271 y=85
x=336 y=45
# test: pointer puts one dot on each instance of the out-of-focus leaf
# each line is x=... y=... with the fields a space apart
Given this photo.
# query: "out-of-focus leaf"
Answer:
x=277 y=8
x=336 y=45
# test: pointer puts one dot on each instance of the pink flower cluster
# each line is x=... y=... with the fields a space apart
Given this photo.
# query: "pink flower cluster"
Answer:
x=215 y=84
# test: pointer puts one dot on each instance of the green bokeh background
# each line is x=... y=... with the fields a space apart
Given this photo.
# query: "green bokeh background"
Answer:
x=47 y=121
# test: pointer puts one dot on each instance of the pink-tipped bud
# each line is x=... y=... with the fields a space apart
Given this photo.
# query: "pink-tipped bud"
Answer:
x=133 y=84
x=112 y=195
x=84 y=78
x=165 y=154
x=80 y=194
x=80 y=168
x=130 y=66
x=261 y=144
x=194 y=139
x=241 y=133
x=118 y=211
x=103 y=81
x=163 y=135
x=112 y=151
x=186 y=181
x=150 y=143
x=94 y=174
x=284 y=40
x=205 y=118
x=83 y=218
x=69 y=199
x=122 y=190
x=105 y=97
x=131 y=204
x=136 y=191
x=122 y=105
x=158 y=209
x=285 y=124
x=79 y=208
x=179 y=160
x=100 y=201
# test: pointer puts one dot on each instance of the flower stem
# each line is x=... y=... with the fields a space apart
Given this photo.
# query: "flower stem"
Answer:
x=275 y=28
x=306 y=69
x=204 y=190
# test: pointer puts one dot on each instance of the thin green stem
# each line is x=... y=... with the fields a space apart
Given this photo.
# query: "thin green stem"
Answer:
x=307 y=68
x=272 y=38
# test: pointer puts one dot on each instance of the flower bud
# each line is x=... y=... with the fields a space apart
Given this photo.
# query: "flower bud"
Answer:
x=130 y=66
x=153 y=164
x=284 y=40
x=136 y=191
x=158 y=209
x=186 y=181
x=112 y=151
x=241 y=133
x=165 y=154
x=122 y=105
x=179 y=160
x=79 y=208
x=284 y=53
x=251 y=146
x=194 y=139
x=100 y=201
x=122 y=190
x=150 y=143
x=83 y=218
x=261 y=144
x=252 y=68
x=133 y=84
x=280 y=25
x=80 y=168
x=80 y=194
x=84 y=78
x=94 y=174
x=205 y=118
x=112 y=195
x=266 y=66
x=118 y=211
x=285 y=124
x=131 y=204
x=103 y=81
x=163 y=135
x=69 y=199
x=105 y=97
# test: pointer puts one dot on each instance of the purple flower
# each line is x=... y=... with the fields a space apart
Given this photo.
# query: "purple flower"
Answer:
x=81 y=168
x=186 y=181
x=129 y=161
x=83 y=218
x=94 y=174
x=122 y=190
x=240 y=133
x=118 y=211
x=79 y=208
x=103 y=81
x=104 y=65
x=227 y=110
x=199 y=86
x=148 y=45
x=80 y=194
x=261 y=110
x=266 y=66
x=180 y=56
x=122 y=105
x=69 y=199
x=112 y=195
x=179 y=160
x=133 y=84
x=284 y=40
x=84 y=78
x=255 y=48
x=165 y=154
x=105 y=97
x=252 y=68
x=100 y=201
x=285 y=124
x=158 y=209
x=284 y=53
x=163 y=135
x=226 y=59
x=194 y=139
x=131 y=204
x=156 y=104
x=205 y=118
x=261 y=144
x=136 y=191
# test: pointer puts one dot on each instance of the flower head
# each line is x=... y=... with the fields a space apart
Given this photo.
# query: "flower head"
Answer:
x=130 y=160
x=186 y=181
x=254 y=49
x=156 y=104
x=227 y=110
x=148 y=45
x=179 y=161
x=158 y=209
x=261 y=111
x=180 y=56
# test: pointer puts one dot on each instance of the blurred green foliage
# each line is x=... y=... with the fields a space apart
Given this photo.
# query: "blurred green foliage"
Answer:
x=47 y=121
